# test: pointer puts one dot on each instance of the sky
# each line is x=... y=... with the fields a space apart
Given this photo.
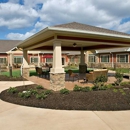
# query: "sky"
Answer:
x=20 y=19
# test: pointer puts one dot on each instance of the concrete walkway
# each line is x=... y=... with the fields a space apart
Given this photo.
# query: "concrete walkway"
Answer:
x=16 y=117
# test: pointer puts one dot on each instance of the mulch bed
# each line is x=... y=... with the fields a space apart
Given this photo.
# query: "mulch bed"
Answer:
x=6 y=78
x=94 y=100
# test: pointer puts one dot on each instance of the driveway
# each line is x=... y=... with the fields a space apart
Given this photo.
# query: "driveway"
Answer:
x=16 y=117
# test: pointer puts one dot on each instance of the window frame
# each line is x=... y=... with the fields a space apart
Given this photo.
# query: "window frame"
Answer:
x=18 y=56
x=122 y=54
x=33 y=59
x=94 y=57
x=5 y=60
x=105 y=61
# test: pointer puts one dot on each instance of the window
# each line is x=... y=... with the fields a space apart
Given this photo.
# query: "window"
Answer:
x=72 y=59
x=34 y=59
x=122 y=58
x=18 y=59
x=104 y=58
x=49 y=60
x=2 y=60
x=78 y=59
x=91 y=58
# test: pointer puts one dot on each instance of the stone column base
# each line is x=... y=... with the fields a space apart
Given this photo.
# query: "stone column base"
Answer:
x=25 y=72
x=82 y=68
x=57 y=81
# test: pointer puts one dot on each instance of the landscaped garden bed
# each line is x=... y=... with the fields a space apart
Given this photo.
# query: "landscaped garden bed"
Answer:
x=8 y=78
x=114 y=98
x=99 y=97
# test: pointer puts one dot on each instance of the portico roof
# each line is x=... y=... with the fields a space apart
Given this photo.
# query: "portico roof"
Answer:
x=86 y=36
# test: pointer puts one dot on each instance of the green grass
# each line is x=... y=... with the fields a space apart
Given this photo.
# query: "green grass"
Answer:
x=121 y=70
x=15 y=73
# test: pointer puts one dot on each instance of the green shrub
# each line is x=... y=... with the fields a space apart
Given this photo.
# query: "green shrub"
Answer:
x=33 y=91
x=125 y=83
x=39 y=87
x=94 y=88
x=122 y=91
x=47 y=92
x=99 y=82
x=119 y=78
x=41 y=96
x=86 y=89
x=115 y=90
x=108 y=86
x=12 y=90
x=64 y=91
x=77 y=88
x=103 y=88
x=25 y=94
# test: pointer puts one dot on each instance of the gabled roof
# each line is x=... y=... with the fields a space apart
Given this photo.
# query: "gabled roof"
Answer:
x=7 y=45
x=123 y=49
x=79 y=26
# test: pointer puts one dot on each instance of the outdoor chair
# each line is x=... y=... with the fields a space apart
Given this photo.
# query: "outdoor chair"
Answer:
x=73 y=75
x=40 y=72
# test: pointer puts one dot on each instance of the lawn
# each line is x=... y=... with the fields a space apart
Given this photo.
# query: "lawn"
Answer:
x=17 y=73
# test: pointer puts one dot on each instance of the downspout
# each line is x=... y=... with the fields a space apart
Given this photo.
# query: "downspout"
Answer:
x=112 y=60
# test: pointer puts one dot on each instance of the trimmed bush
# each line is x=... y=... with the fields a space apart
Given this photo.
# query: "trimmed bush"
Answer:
x=47 y=92
x=39 y=87
x=77 y=88
x=86 y=89
x=119 y=78
x=41 y=96
x=33 y=91
x=64 y=91
x=12 y=90
x=25 y=94
x=99 y=82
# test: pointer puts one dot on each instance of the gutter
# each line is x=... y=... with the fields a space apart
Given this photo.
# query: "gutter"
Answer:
x=86 y=32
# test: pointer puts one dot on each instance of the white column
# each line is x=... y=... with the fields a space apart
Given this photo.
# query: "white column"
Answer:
x=82 y=60
x=57 y=62
x=25 y=59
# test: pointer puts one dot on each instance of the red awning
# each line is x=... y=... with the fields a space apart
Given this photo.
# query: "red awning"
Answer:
x=47 y=56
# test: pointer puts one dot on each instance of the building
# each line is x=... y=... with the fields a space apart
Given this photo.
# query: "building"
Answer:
x=117 y=57
x=11 y=55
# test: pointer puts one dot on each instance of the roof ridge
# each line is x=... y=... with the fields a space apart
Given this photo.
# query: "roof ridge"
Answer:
x=81 y=26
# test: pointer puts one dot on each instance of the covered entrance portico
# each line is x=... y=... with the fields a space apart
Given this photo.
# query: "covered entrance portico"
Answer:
x=70 y=38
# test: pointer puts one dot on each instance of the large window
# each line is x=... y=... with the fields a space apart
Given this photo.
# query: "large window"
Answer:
x=122 y=58
x=72 y=59
x=49 y=60
x=91 y=58
x=34 y=59
x=78 y=59
x=18 y=59
x=2 y=60
x=104 y=58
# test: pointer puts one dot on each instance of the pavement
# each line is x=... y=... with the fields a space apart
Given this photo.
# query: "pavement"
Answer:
x=16 y=117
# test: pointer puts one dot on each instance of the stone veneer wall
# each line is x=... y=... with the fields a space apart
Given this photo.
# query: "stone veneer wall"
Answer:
x=57 y=81
x=25 y=72
x=109 y=65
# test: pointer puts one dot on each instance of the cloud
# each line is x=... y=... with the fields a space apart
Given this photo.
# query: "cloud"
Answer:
x=124 y=27
x=18 y=36
x=17 y=16
x=39 y=14
x=57 y=12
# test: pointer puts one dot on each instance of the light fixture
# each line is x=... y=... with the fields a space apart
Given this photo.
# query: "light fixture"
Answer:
x=74 y=44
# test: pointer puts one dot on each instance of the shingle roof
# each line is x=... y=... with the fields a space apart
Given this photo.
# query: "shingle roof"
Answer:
x=123 y=49
x=79 y=26
x=7 y=45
